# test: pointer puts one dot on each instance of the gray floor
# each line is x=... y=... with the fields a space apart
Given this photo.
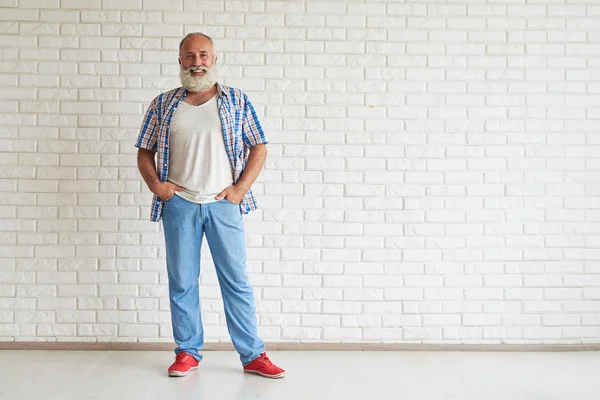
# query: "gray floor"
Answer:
x=67 y=375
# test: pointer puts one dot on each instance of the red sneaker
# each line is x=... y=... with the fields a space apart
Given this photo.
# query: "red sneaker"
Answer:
x=184 y=363
x=263 y=366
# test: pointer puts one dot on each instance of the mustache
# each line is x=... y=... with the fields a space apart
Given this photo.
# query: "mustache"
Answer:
x=198 y=82
x=194 y=68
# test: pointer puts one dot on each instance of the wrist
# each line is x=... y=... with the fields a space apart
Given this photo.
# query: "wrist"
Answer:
x=241 y=187
x=153 y=185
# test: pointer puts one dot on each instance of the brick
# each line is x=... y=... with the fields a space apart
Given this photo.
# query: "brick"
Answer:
x=414 y=175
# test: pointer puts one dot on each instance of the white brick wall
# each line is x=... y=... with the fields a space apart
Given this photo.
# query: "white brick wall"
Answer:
x=432 y=176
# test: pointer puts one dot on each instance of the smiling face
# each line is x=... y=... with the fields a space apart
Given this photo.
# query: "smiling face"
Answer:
x=198 y=71
x=197 y=51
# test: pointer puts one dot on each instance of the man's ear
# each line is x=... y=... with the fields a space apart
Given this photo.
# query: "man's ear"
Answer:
x=179 y=60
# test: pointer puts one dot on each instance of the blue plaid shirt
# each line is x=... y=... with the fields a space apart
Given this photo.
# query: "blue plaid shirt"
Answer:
x=241 y=130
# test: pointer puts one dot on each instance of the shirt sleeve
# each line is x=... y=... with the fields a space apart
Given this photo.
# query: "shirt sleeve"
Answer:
x=252 y=131
x=149 y=130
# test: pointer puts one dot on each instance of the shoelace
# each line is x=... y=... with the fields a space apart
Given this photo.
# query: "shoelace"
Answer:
x=266 y=360
x=181 y=357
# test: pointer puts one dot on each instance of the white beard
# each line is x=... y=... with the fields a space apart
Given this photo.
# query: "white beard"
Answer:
x=198 y=83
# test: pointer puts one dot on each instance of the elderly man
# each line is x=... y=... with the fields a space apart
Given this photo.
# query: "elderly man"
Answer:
x=210 y=147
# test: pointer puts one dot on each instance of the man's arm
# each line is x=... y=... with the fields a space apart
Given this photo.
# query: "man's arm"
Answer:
x=254 y=138
x=255 y=163
x=147 y=167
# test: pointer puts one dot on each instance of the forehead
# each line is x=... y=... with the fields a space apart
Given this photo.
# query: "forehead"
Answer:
x=196 y=44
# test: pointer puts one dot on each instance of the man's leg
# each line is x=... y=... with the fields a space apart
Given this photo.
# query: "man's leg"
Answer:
x=182 y=222
x=226 y=238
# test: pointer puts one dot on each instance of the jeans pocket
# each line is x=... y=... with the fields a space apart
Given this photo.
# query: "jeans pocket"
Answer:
x=170 y=199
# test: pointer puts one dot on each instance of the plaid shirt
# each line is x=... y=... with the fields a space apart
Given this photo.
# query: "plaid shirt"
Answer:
x=241 y=130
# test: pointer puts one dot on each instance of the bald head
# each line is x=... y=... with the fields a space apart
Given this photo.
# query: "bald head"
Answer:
x=198 y=36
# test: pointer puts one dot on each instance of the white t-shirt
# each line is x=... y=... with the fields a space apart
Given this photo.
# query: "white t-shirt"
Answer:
x=197 y=157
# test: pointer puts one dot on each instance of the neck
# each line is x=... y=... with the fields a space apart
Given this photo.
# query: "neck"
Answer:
x=203 y=94
x=199 y=98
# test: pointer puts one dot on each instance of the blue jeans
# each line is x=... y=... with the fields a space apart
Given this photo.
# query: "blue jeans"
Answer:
x=184 y=225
